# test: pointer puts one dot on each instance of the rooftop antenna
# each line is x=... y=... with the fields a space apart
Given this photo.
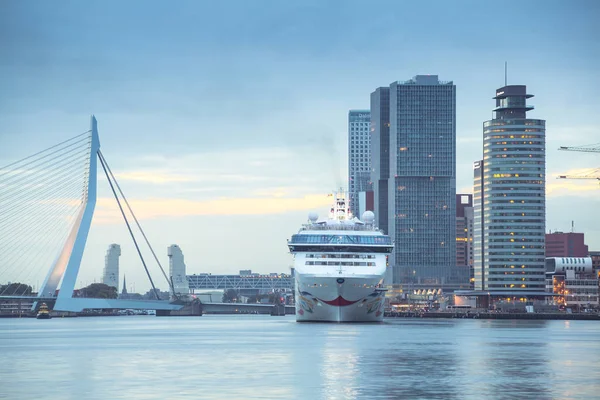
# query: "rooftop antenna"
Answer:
x=572 y=226
x=505 y=73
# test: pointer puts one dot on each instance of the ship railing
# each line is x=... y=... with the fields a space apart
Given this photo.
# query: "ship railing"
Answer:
x=340 y=227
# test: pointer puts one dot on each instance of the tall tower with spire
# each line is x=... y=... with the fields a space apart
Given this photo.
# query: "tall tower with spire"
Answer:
x=510 y=229
x=124 y=292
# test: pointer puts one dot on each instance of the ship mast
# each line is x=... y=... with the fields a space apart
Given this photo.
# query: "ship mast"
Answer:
x=340 y=209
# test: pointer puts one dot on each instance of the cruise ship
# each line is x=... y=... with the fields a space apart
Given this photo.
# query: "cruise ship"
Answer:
x=340 y=264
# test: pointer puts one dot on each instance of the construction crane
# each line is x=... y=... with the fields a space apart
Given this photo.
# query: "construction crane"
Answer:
x=590 y=148
x=593 y=174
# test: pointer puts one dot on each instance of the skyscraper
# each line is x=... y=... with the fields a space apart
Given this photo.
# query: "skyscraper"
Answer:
x=514 y=205
x=110 y=275
x=177 y=270
x=464 y=236
x=422 y=217
x=359 y=156
x=380 y=155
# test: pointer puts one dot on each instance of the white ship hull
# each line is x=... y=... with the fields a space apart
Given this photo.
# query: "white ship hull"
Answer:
x=339 y=298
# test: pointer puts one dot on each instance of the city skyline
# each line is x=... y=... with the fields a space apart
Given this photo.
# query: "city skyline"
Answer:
x=209 y=154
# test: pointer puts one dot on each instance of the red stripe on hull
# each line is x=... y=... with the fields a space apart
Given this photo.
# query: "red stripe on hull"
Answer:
x=340 y=302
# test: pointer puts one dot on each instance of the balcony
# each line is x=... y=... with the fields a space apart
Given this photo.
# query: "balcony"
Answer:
x=526 y=107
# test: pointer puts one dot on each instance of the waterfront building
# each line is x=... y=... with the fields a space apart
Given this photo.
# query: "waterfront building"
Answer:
x=595 y=256
x=359 y=157
x=247 y=283
x=422 y=209
x=177 y=270
x=512 y=226
x=380 y=157
x=570 y=244
x=110 y=275
x=573 y=280
x=464 y=235
x=16 y=306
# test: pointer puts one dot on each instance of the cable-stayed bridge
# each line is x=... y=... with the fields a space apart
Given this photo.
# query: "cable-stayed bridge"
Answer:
x=47 y=202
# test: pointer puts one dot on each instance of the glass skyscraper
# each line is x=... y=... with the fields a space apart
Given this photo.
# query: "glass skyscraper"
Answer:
x=422 y=203
x=380 y=155
x=359 y=156
x=512 y=228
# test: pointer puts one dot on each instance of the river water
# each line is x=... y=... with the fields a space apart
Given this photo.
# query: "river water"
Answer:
x=263 y=357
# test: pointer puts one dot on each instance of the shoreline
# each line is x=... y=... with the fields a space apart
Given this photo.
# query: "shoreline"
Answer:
x=390 y=315
x=488 y=315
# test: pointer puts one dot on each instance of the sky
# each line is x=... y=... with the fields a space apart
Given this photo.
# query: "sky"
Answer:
x=226 y=122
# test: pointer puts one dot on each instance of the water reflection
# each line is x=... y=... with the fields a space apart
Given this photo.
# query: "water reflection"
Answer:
x=513 y=323
x=419 y=371
x=340 y=362
x=254 y=357
x=520 y=369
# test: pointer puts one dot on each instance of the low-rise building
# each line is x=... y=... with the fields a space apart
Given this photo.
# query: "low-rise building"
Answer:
x=595 y=256
x=565 y=244
x=464 y=236
x=573 y=280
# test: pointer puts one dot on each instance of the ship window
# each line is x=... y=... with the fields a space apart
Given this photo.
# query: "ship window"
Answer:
x=341 y=239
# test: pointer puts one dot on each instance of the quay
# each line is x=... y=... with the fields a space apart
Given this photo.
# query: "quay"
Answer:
x=493 y=315
x=188 y=310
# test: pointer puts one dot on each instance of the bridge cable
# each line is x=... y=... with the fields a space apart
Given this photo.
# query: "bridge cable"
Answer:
x=21 y=217
x=27 y=226
x=169 y=281
x=30 y=223
x=40 y=152
x=33 y=259
x=41 y=194
x=128 y=226
x=47 y=169
x=46 y=229
x=40 y=257
x=20 y=201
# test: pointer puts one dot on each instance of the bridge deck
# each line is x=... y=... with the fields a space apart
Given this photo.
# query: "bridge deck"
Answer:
x=78 y=304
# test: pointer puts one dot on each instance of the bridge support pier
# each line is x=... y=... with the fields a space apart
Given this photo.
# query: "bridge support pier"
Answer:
x=278 y=310
x=193 y=308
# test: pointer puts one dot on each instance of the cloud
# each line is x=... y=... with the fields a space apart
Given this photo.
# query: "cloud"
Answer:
x=155 y=177
x=248 y=173
x=163 y=177
x=465 y=189
x=470 y=139
x=223 y=166
x=107 y=210
x=566 y=187
x=572 y=136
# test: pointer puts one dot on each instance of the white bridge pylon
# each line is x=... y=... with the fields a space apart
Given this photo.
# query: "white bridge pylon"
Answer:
x=66 y=266
x=68 y=262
